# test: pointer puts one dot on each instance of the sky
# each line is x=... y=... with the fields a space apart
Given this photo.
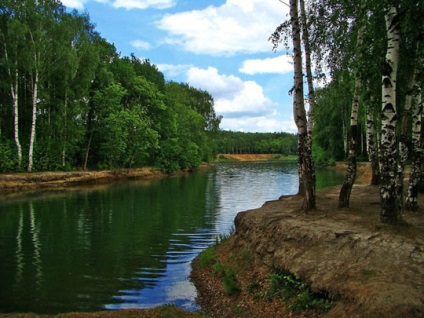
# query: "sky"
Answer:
x=219 y=46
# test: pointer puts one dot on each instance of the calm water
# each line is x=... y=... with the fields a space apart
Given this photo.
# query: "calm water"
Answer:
x=126 y=245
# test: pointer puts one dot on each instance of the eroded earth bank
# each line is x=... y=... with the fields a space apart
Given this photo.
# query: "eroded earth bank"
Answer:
x=368 y=269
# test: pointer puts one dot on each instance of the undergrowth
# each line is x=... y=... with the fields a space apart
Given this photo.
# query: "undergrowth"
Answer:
x=296 y=293
x=228 y=274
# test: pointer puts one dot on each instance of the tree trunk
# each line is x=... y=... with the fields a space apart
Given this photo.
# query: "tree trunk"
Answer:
x=311 y=91
x=346 y=189
x=64 y=130
x=299 y=113
x=403 y=139
x=411 y=203
x=15 y=95
x=14 y=92
x=372 y=145
x=391 y=205
x=33 y=122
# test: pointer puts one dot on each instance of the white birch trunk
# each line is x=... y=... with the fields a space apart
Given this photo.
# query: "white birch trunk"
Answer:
x=372 y=145
x=411 y=202
x=403 y=140
x=14 y=87
x=33 y=122
x=390 y=201
x=15 y=96
x=311 y=91
x=65 y=130
x=299 y=113
x=346 y=189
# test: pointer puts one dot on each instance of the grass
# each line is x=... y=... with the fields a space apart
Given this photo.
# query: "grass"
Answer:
x=296 y=293
x=208 y=258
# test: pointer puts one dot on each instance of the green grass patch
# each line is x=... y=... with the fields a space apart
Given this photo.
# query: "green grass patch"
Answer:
x=230 y=282
x=208 y=258
x=296 y=293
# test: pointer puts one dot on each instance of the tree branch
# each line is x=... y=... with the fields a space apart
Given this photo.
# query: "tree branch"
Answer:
x=284 y=3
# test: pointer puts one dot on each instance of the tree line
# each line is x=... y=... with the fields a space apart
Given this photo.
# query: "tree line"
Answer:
x=69 y=100
x=373 y=51
x=231 y=142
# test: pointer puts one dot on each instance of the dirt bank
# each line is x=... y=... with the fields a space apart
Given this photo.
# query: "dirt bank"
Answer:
x=251 y=157
x=27 y=181
x=368 y=269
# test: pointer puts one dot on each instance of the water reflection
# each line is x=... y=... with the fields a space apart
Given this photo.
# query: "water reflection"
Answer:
x=127 y=245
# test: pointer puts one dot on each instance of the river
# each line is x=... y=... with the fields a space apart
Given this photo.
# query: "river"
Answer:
x=127 y=244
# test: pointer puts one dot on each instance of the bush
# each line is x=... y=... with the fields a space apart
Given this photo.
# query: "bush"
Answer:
x=321 y=157
x=296 y=293
x=8 y=157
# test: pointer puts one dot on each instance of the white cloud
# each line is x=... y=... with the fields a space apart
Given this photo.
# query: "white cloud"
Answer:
x=126 y=4
x=141 y=45
x=174 y=70
x=233 y=97
x=143 y=4
x=76 y=4
x=237 y=26
x=220 y=86
x=278 y=65
x=258 y=124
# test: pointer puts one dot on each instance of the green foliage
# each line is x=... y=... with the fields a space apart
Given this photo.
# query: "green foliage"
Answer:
x=296 y=293
x=321 y=157
x=8 y=159
x=207 y=257
x=230 y=282
x=95 y=108
x=256 y=143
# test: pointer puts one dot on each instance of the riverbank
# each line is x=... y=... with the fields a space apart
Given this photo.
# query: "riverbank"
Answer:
x=254 y=157
x=365 y=268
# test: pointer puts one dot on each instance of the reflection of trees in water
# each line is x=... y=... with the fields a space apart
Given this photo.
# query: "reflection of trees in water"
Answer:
x=80 y=249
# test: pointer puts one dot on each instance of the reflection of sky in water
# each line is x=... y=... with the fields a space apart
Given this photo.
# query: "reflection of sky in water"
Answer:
x=244 y=186
x=231 y=188
x=169 y=285
x=125 y=245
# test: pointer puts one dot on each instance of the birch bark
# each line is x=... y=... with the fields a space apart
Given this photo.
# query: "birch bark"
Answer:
x=372 y=145
x=33 y=122
x=299 y=113
x=411 y=203
x=14 y=92
x=309 y=80
x=345 y=191
x=390 y=201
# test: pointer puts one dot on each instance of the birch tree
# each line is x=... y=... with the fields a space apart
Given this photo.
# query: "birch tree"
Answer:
x=390 y=201
x=372 y=143
x=299 y=113
x=12 y=33
x=345 y=191
x=411 y=202
x=309 y=80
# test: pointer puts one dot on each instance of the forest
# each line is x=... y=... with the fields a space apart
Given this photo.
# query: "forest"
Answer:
x=68 y=100
x=371 y=53
x=232 y=142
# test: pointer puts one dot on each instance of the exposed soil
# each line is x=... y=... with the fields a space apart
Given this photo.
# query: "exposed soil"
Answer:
x=367 y=268
x=28 y=181
x=249 y=157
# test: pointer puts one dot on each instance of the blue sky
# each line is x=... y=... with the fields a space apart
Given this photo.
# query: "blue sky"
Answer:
x=219 y=46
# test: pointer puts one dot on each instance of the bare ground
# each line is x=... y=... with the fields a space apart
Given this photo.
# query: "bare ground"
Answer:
x=368 y=269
